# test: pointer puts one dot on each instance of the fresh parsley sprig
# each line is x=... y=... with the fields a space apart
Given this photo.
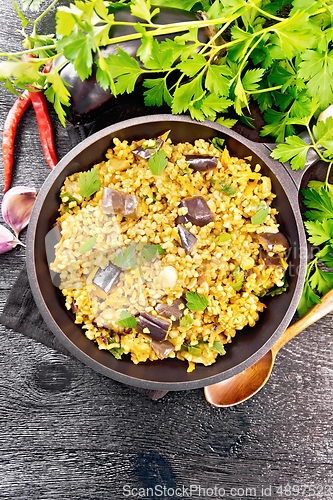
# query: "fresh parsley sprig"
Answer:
x=280 y=62
x=318 y=197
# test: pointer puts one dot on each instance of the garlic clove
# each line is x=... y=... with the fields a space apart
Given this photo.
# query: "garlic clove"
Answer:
x=168 y=277
x=7 y=240
x=17 y=206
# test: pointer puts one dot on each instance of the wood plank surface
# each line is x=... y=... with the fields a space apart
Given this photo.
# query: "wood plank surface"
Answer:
x=68 y=433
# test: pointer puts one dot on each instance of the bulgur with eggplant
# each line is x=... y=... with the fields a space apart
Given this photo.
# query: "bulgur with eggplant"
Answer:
x=166 y=250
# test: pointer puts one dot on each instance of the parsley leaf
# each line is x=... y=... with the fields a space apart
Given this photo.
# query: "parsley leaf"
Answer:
x=88 y=245
x=185 y=321
x=126 y=259
x=221 y=238
x=239 y=277
x=89 y=182
x=319 y=232
x=321 y=280
x=195 y=350
x=308 y=299
x=151 y=251
x=126 y=320
x=218 y=347
x=195 y=302
x=158 y=162
x=260 y=216
x=320 y=201
x=117 y=352
x=225 y=187
x=218 y=143
x=69 y=199
x=295 y=150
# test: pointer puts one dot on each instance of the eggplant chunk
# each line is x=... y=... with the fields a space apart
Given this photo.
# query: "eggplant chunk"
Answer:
x=172 y=311
x=201 y=163
x=119 y=203
x=273 y=242
x=107 y=278
x=270 y=260
x=187 y=239
x=158 y=327
x=88 y=98
x=198 y=212
x=148 y=152
x=162 y=349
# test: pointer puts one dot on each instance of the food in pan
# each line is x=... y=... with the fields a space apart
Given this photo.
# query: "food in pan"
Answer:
x=166 y=249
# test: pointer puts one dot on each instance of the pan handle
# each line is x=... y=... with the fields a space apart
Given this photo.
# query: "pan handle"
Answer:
x=311 y=158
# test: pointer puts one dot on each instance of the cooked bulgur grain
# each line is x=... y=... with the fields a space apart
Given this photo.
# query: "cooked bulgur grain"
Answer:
x=222 y=271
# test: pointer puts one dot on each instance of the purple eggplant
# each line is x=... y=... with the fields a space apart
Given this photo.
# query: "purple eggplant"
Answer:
x=187 y=239
x=270 y=260
x=173 y=310
x=158 y=327
x=198 y=212
x=148 y=152
x=119 y=203
x=201 y=163
x=107 y=278
x=273 y=242
x=88 y=98
x=162 y=349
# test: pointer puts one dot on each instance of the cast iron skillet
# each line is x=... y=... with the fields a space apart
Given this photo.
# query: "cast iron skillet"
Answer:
x=250 y=344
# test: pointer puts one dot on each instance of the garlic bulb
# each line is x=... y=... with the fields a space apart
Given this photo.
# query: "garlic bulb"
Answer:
x=326 y=113
x=7 y=240
x=17 y=206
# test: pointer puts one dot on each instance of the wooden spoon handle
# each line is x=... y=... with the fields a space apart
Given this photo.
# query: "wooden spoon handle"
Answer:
x=315 y=313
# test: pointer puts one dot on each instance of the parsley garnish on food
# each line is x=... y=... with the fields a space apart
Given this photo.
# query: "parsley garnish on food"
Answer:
x=238 y=274
x=151 y=251
x=126 y=320
x=218 y=143
x=218 y=347
x=195 y=302
x=69 y=200
x=89 y=182
x=185 y=171
x=88 y=245
x=260 y=216
x=225 y=187
x=117 y=352
x=185 y=321
x=221 y=238
x=318 y=197
x=191 y=349
x=275 y=290
x=158 y=162
x=126 y=259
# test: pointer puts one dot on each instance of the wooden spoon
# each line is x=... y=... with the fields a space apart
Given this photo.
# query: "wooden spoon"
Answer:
x=245 y=384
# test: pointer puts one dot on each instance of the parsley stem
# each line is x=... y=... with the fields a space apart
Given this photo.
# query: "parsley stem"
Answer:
x=248 y=55
x=30 y=51
x=270 y=16
x=42 y=15
x=327 y=175
x=260 y=91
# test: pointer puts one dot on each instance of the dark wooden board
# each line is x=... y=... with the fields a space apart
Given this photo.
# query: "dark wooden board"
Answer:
x=69 y=433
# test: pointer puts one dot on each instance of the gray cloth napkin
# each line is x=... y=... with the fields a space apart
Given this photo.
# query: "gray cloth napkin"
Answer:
x=22 y=315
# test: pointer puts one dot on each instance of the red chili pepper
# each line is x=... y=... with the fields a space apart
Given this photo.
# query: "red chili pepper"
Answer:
x=44 y=126
x=13 y=117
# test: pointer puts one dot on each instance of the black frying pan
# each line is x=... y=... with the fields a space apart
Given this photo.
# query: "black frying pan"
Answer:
x=250 y=344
